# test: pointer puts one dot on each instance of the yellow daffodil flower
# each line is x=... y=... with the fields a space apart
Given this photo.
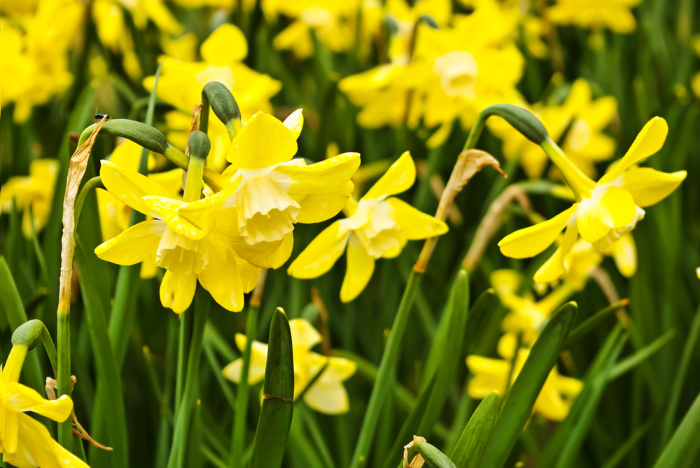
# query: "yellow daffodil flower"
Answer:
x=603 y=211
x=35 y=46
x=24 y=441
x=195 y=241
x=115 y=215
x=274 y=191
x=181 y=83
x=582 y=118
x=527 y=316
x=327 y=394
x=595 y=14
x=556 y=396
x=378 y=226
x=35 y=191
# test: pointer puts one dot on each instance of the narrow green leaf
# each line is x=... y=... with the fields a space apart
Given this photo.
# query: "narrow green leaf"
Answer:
x=591 y=323
x=520 y=400
x=642 y=355
x=683 y=446
x=278 y=397
x=475 y=438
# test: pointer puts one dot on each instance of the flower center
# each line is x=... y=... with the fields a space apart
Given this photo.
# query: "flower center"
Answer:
x=458 y=72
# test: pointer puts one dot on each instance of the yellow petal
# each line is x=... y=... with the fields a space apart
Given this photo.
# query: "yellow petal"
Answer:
x=321 y=254
x=262 y=142
x=130 y=187
x=225 y=45
x=304 y=334
x=222 y=279
x=648 y=141
x=360 y=266
x=532 y=240
x=37 y=448
x=555 y=267
x=192 y=220
x=329 y=398
x=648 y=186
x=397 y=179
x=258 y=360
x=295 y=122
x=414 y=223
x=596 y=216
x=624 y=252
x=21 y=398
x=177 y=291
x=321 y=189
x=136 y=244
x=276 y=258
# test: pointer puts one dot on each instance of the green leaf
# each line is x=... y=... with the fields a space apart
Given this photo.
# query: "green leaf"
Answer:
x=475 y=438
x=591 y=323
x=278 y=397
x=683 y=446
x=521 y=399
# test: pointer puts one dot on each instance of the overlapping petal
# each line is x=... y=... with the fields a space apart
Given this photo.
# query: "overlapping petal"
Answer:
x=595 y=217
x=136 y=244
x=648 y=186
x=263 y=141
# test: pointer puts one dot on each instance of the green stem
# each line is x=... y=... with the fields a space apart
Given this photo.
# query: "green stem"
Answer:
x=182 y=347
x=387 y=369
x=239 y=426
x=189 y=396
x=65 y=429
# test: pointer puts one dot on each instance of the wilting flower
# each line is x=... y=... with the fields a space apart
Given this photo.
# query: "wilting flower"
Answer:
x=195 y=241
x=556 y=396
x=35 y=45
x=24 y=441
x=595 y=14
x=115 y=215
x=526 y=316
x=378 y=226
x=32 y=194
x=603 y=211
x=327 y=394
x=181 y=83
x=273 y=191
x=580 y=120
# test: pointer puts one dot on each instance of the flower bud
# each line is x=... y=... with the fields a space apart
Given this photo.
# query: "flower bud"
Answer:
x=521 y=119
x=28 y=334
x=138 y=132
x=199 y=145
x=224 y=105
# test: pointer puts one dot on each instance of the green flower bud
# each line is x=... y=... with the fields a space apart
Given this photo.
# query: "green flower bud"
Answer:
x=28 y=334
x=521 y=119
x=199 y=145
x=224 y=105
x=138 y=132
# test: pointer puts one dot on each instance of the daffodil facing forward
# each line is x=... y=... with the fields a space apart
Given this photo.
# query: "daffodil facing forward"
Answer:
x=273 y=191
x=378 y=226
x=604 y=211
x=556 y=396
x=24 y=441
x=326 y=393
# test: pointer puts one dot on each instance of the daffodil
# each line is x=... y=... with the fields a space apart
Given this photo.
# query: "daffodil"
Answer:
x=595 y=14
x=327 y=393
x=378 y=226
x=32 y=194
x=578 y=124
x=193 y=241
x=181 y=83
x=24 y=441
x=604 y=211
x=555 y=398
x=272 y=190
x=526 y=316
x=115 y=215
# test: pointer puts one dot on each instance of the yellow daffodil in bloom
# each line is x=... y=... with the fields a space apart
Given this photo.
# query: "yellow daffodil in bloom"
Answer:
x=193 y=241
x=115 y=215
x=180 y=84
x=453 y=74
x=34 y=43
x=34 y=191
x=378 y=226
x=24 y=441
x=595 y=14
x=556 y=396
x=273 y=191
x=580 y=120
x=527 y=316
x=605 y=210
x=327 y=394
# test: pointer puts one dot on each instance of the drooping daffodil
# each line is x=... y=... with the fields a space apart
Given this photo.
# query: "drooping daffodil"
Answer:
x=604 y=211
x=273 y=191
x=378 y=226
x=24 y=441
x=555 y=398
x=327 y=393
x=194 y=241
x=32 y=194
x=595 y=14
